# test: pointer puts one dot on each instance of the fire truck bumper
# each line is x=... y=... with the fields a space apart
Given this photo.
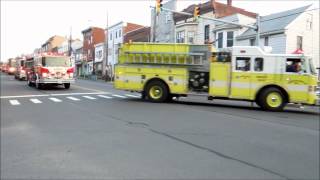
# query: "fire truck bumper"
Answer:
x=56 y=81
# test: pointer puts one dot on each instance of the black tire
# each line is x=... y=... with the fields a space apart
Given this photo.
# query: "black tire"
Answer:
x=258 y=102
x=39 y=85
x=279 y=99
x=29 y=83
x=152 y=88
x=66 y=85
x=143 y=95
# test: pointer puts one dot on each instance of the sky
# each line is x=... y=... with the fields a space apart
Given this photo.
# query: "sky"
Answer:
x=25 y=25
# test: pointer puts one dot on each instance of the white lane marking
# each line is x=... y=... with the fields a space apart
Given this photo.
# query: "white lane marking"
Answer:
x=90 y=89
x=88 y=97
x=73 y=98
x=32 y=95
x=55 y=100
x=116 y=95
x=14 y=102
x=66 y=94
x=103 y=96
x=46 y=95
x=130 y=95
x=36 y=101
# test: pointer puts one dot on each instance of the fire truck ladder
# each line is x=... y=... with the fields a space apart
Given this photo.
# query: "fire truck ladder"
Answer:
x=195 y=59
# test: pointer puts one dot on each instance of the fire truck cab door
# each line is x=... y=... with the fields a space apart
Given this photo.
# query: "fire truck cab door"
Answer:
x=241 y=77
x=219 y=79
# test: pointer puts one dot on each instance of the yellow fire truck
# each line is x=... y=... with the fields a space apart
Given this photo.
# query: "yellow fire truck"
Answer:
x=163 y=71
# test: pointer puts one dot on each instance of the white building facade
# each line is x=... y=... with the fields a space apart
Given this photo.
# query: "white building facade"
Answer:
x=225 y=34
x=115 y=39
x=288 y=31
x=99 y=57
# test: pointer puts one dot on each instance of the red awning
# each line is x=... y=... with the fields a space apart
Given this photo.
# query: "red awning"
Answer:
x=298 y=51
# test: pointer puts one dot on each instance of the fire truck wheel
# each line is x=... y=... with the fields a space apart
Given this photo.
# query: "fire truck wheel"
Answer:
x=272 y=99
x=29 y=83
x=143 y=95
x=157 y=91
x=66 y=85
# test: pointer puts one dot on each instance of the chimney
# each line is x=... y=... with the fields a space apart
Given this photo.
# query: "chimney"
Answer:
x=229 y=2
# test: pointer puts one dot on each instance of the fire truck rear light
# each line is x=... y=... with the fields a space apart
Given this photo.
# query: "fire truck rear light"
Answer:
x=44 y=70
x=70 y=70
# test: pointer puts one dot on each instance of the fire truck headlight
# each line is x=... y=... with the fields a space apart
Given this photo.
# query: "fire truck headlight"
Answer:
x=71 y=75
x=44 y=75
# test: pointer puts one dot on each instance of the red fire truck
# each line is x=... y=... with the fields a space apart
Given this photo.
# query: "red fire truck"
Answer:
x=51 y=69
x=11 y=67
x=20 y=70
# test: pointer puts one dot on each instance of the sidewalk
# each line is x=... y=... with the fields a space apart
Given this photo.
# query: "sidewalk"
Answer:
x=94 y=80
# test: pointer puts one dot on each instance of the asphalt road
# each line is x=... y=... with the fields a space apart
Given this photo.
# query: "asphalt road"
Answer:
x=92 y=131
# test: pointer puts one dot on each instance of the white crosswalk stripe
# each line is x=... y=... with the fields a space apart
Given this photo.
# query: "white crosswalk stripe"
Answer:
x=14 y=102
x=116 y=95
x=73 y=98
x=103 y=96
x=130 y=95
x=36 y=101
x=88 y=97
x=55 y=100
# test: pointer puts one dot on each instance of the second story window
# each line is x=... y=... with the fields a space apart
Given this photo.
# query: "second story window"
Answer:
x=119 y=32
x=206 y=33
x=110 y=36
x=168 y=19
x=266 y=41
x=180 y=37
x=252 y=42
x=299 y=42
x=220 y=40
x=116 y=34
x=190 y=37
x=309 y=24
x=230 y=39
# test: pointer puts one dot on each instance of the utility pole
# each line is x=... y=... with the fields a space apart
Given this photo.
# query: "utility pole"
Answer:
x=258 y=31
x=70 y=43
x=154 y=25
x=106 y=49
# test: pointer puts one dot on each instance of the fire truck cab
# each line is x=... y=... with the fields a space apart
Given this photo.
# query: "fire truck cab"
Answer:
x=11 y=66
x=51 y=69
x=20 y=69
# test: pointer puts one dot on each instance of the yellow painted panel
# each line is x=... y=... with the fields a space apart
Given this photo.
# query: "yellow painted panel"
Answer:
x=119 y=73
x=219 y=79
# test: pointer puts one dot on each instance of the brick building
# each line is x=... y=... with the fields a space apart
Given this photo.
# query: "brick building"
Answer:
x=138 y=35
x=52 y=44
x=91 y=37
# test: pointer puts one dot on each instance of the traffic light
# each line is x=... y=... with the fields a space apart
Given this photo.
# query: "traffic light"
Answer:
x=158 y=6
x=196 y=12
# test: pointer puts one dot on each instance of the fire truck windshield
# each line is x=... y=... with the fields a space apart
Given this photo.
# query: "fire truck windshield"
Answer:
x=56 y=62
